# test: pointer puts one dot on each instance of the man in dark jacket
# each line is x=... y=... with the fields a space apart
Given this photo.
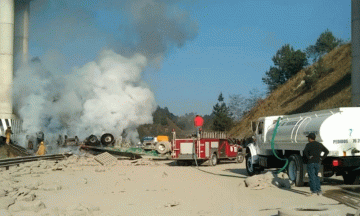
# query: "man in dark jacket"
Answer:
x=312 y=153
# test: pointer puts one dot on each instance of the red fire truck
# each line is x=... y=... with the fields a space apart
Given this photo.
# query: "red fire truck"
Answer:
x=212 y=146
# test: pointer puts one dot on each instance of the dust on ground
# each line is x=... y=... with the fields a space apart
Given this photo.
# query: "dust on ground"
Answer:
x=82 y=186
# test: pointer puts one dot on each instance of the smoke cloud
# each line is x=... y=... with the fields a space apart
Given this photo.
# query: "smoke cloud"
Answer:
x=106 y=95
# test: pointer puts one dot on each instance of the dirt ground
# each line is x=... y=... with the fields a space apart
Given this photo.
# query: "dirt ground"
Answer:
x=84 y=187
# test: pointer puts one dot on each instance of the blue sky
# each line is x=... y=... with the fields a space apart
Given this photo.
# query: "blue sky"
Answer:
x=231 y=52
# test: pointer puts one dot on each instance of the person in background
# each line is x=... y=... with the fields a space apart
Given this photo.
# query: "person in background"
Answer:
x=42 y=149
x=8 y=133
x=312 y=153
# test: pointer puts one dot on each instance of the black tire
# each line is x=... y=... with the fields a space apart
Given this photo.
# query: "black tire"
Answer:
x=239 y=158
x=213 y=160
x=295 y=170
x=107 y=139
x=351 y=179
x=162 y=147
x=250 y=167
x=93 y=140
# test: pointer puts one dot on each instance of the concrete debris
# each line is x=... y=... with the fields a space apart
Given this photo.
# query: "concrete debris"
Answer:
x=5 y=202
x=57 y=167
x=33 y=206
x=266 y=180
x=105 y=159
x=172 y=204
x=28 y=198
x=99 y=169
x=50 y=187
x=143 y=162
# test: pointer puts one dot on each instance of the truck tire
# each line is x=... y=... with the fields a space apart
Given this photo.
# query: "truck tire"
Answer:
x=309 y=211
x=295 y=170
x=162 y=147
x=239 y=158
x=351 y=179
x=251 y=169
x=213 y=160
x=93 y=140
x=107 y=139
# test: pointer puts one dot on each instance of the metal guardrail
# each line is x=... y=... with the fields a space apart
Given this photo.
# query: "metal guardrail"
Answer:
x=16 y=161
x=101 y=150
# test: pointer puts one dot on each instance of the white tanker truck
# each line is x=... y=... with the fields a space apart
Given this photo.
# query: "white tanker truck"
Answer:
x=338 y=130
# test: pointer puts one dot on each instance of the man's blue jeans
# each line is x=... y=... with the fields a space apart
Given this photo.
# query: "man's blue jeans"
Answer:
x=313 y=170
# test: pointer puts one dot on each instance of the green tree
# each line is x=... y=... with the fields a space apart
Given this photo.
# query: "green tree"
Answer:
x=287 y=62
x=324 y=44
x=222 y=120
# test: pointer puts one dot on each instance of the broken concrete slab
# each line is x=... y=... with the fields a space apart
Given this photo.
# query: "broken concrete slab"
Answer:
x=105 y=159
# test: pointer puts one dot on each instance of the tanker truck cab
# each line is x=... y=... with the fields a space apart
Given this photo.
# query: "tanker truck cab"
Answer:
x=338 y=130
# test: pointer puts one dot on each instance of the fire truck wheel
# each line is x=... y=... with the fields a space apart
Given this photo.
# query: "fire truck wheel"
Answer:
x=239 y=158
x=295 y=170
x=162 y=147
x=107 y=139
x=213 y=159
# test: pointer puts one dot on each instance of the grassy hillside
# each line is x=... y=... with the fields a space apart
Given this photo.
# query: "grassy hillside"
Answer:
x=331 y=90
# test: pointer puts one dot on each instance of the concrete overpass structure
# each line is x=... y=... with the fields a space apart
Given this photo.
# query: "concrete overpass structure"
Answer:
x=14 y=48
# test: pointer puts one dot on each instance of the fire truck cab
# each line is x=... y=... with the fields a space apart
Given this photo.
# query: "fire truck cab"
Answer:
x=205 y=146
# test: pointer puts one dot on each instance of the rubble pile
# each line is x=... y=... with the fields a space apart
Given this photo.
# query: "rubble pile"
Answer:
x=268 y=179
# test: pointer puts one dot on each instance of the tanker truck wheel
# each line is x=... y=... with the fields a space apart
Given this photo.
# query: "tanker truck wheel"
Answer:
x=351 y=179
x=251 y=168
x=162 y=147
x=295 y=170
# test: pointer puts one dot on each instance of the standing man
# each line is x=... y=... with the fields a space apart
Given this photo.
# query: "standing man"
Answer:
x=198 y=123
x=312 y=153
x=42 y=149
x=8 y=133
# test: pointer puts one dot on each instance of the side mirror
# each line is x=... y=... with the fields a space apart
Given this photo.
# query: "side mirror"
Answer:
x=253 y=126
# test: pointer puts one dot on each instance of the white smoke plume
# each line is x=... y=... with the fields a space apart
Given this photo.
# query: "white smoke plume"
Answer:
x=106 y=95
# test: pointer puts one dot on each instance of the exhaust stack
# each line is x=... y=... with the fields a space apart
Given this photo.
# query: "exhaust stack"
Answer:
x=355 y=46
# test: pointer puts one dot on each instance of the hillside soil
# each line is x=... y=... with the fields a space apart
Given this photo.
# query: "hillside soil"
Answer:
x=332 y=89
